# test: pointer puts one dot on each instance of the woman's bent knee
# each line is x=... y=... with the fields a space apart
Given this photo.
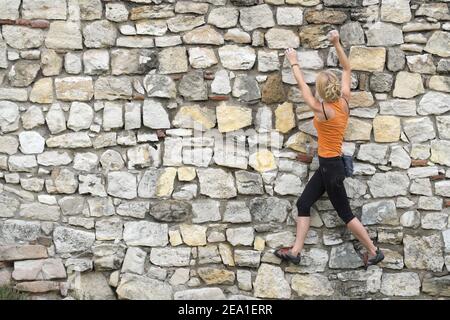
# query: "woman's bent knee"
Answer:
x=347 y=217
x=303 y=209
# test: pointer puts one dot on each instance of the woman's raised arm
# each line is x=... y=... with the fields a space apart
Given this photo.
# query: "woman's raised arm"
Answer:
x=345 y=63
x=310 y=100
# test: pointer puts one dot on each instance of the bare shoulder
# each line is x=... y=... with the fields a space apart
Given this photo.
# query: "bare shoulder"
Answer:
x=315 y=106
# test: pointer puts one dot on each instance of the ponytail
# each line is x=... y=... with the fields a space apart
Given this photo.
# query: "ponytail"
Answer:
x=328 y=86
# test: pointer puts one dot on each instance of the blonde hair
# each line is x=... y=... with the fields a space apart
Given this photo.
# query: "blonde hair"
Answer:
x=328 y=86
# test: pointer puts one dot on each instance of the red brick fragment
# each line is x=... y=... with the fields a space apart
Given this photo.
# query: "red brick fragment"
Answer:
x=40 y=24
x=219 y=98
x=208 y=75
x=446 y=203
x=419 y=163
x=440 y=176
x=23 y=22
x=160 y=133
x=303 y=157
x=138 y=96
x=7 y=21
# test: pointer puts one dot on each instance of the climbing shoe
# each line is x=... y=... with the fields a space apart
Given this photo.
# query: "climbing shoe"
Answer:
x=285 y=254
x=379 y=256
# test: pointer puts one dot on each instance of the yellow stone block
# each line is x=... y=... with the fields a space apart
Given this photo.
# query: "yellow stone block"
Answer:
x=226 y=254
x=165 y=182
x=175 y=238
x=195 y=117
x=193 y=235
x=186 y=173
x=42 y=91
x=440 y=83
x=386 y=128
x=408 y=85
x=259 y=244
x=361 y=99
x=300 y=141
x=367 y=59
x=284 y=117
x=312 y=285
x=216 y=276
x=357 y=130
x=262 y=161
x=231 y=118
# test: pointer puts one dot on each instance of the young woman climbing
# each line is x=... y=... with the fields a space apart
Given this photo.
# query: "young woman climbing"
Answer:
x=330 y=120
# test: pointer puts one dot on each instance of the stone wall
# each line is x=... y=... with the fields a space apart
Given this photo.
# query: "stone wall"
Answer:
x=156 y=148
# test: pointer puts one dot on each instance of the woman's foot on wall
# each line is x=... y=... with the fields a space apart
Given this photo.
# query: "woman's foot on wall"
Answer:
x=287 y=255
x=370 y=260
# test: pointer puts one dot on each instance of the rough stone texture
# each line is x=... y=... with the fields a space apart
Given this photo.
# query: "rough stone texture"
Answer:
x=269 y=209
x=43 y=269
x=216 y=276
x=64 y=35
x=134 y=287
x=312 y=285
x=352 y=34
x=381 y=212
x=437 y=286
x=159 y=86
x=192 y=86
x=235 y=57
x=145 y=233
x=386 y=128
x=231 y=118
x=270 y=283
x=23 y=73
x=384 y=34
x=408 y=85
x=344 y=256
x=216 y=183
x=388 y=184
x=44 y=9
x=284 y=117
x=424 y=252
x=21 y=37
x=246 y=88
x=259 y=16
x=278 y=38
x=200 y=294
x=438 y=44
x=22 y=252
x=74 y=88
x=315 y=36
x=153 y=145
x=419 y=129
x=403 y=284
x=367 y=59
x=42 y=91
x=92 y=286
x=10 y=9
x=433 y=103
x=172 y=60
x=195 y=117
x=170 y=256
x=395 y=11
x=72 y=240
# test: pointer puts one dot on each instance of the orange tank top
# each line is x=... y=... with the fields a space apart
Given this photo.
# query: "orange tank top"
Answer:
x=331 y=132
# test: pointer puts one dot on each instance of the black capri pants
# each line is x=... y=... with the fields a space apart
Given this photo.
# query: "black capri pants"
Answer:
x=330 y=178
